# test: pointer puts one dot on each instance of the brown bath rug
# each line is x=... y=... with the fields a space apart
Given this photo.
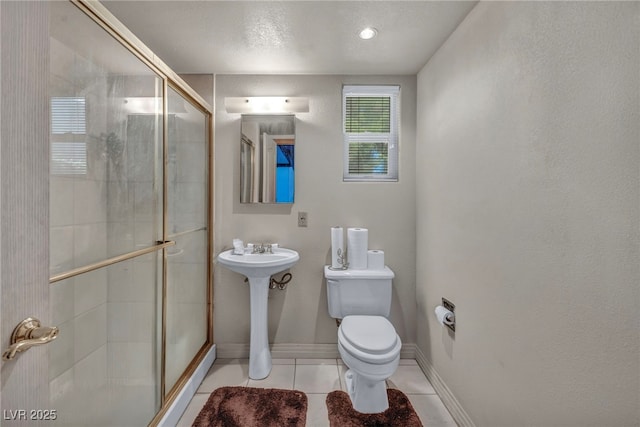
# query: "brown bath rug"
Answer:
x=249 y=407
x=399 y=414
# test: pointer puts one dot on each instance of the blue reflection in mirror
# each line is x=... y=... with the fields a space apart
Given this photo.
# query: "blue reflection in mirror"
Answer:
x=284 y=174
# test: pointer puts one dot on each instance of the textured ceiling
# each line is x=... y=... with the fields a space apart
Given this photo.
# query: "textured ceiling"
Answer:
x=291 y=37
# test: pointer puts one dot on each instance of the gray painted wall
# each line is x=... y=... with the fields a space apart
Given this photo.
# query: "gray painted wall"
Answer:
x=528 y=213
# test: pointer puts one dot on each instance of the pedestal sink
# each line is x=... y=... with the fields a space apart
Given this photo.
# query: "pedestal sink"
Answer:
x=258 y=268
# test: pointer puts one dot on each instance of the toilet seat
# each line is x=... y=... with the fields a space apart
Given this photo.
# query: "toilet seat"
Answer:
x=370 y=339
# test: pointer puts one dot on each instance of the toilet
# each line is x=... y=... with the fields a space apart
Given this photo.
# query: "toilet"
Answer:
x=367 y=341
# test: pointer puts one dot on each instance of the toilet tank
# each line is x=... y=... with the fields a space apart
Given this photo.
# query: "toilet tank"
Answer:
x=358 y=292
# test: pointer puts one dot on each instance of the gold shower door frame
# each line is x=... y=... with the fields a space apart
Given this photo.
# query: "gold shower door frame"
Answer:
x=170 y=80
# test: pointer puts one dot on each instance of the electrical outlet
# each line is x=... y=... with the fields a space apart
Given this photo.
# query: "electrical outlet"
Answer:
x=303 y=219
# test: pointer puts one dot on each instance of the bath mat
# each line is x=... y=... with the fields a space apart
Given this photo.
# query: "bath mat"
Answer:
x=399 y=414
x=249 y=407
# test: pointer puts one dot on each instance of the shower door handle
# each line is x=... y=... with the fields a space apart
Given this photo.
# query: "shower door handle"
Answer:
x=27 y=334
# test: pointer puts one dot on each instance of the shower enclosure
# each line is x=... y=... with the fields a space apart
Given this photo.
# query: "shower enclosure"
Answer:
x=130 y=227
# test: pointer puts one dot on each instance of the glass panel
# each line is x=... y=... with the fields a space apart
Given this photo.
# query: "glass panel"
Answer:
x=186 y=303
x=368 y=157
x=367 y=114
x=187 y=201
x=105 y=200
x=187 y=170
x=106 y=140
x=104 y=365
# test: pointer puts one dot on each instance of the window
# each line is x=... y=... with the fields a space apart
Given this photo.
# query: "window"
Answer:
x=370 y=126
x=68 y=124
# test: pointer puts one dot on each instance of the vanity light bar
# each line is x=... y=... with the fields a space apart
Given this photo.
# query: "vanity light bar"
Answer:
x=266 y=104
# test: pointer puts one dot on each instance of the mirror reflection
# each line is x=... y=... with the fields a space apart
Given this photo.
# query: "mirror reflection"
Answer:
x=267 y=148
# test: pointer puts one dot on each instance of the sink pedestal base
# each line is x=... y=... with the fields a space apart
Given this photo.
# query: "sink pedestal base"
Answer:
x=258 y=268
x=259 y=353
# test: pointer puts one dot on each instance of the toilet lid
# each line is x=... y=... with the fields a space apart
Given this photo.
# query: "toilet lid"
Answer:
x=369 y=334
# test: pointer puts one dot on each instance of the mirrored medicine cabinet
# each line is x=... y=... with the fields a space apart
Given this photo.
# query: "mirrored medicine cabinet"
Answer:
x=267 y=160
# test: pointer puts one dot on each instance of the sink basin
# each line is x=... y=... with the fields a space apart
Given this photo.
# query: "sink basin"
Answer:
x=259 y=268
x=259 y=265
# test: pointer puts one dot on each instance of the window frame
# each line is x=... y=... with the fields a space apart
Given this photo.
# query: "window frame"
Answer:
x=392 y=137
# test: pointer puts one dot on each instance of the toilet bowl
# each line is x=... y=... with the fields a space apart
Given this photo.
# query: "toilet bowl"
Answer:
x=370 y=347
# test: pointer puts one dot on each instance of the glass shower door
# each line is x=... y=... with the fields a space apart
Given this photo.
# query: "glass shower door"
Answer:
x=129 y=226
x=106 y=226
x=87 y=150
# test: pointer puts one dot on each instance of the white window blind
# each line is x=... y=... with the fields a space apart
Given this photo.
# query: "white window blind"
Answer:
x=68 y=115
x=68 y=118
x=68 y=158
x=370 y=127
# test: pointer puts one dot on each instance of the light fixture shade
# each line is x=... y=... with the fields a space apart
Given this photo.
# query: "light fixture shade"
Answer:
x=266 y=104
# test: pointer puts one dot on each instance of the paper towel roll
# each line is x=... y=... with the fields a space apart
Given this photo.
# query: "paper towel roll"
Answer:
x=444 y=316
x=357 y=245
x=375 y=259
x=337 y=247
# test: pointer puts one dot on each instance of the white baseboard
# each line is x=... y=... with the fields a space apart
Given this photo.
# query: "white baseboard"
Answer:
x=455 y=408
x=298 y=351
x=177 y=408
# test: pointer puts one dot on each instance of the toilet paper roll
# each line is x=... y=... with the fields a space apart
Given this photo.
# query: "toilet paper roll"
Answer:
x=444 y=316
x=337 y=247
x=357 y=245
x=375 y=259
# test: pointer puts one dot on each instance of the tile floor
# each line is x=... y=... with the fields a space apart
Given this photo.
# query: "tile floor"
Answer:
x=318 y=377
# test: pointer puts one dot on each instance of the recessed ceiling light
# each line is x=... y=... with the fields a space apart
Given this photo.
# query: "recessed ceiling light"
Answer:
x=368 y=33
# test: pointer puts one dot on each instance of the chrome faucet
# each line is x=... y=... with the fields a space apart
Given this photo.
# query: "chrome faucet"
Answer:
x=262 y=248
